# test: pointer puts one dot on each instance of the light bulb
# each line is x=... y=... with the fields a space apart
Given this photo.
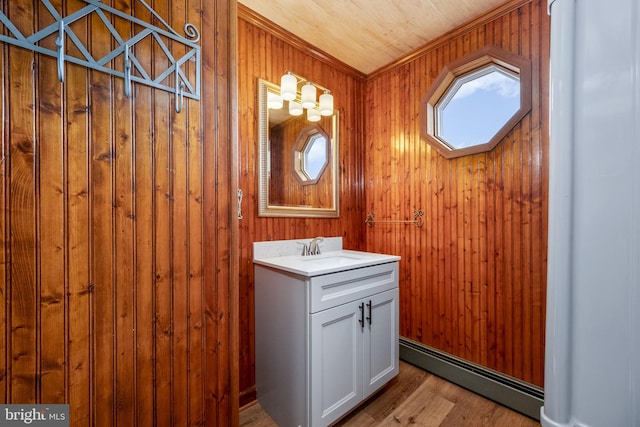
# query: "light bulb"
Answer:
x=295 y=108
x=288 y=86
x=326 y=103
x=313 y=115
x=274 y=101
x=308 y=95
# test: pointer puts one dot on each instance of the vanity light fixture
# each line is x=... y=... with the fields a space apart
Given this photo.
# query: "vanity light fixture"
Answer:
x=313 y=115
x=308 y=96
x=288 y=86
x=274 y=101
x=326 y=103
x=295 y=108
x=304 y=99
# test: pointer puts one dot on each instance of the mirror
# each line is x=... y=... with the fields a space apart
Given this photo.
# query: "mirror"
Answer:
x=311 y=154
x=298 y=161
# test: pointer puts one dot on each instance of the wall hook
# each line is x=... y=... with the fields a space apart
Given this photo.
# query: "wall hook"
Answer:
x=60 y=50
x=175 y=49
x=179 y=97
x=127 y=72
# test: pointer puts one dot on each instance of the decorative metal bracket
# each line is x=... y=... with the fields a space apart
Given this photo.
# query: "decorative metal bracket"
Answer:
x=417 y=219
x=184 y=84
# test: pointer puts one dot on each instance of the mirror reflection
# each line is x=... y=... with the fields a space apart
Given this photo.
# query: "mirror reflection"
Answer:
x=311 y=154
x=298 y=167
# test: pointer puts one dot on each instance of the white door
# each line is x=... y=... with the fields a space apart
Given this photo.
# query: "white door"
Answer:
x=381 y=351
x=336 y=362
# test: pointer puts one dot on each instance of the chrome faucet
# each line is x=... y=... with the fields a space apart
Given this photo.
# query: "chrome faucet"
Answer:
x=314 y=246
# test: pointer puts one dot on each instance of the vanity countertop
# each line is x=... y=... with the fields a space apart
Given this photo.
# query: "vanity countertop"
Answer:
x=325 y=263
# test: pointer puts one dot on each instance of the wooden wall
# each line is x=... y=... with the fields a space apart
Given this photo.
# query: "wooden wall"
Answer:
x=473 y=278
x=265 y=51
x=117 y=278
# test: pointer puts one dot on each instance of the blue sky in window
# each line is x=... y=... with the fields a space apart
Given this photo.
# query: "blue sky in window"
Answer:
x=479 y=109
x=315 y=156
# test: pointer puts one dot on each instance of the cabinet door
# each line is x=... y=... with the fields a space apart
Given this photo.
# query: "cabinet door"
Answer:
x=381 y=351
x=336 y=362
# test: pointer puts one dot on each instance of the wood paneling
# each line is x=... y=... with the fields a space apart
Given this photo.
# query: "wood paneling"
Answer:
x=369 y=34
x=265 y=55
x=472 y=279
x=119 y=269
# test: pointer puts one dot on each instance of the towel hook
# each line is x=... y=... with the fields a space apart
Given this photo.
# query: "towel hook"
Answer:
x=127 y=72
x=60 y=48
x=179 y=97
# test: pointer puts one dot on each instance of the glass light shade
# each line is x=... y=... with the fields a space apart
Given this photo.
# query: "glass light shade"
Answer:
x=295 y=108
x=326 y=104
x=288 y=87
x=274 y=101
x=313 y=115
x=308 y=95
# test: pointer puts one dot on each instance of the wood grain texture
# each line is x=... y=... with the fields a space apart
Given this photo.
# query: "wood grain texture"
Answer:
x=20 y=155
x=472 y=279
x=110 y=207
x=416 y=398
x=80 y=332
x=51 y=229
x=369 y=34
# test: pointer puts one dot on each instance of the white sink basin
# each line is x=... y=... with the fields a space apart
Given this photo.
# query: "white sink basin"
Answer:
x=330 y=259
x=328 y=262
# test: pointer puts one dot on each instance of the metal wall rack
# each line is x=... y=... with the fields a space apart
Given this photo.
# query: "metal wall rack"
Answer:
x=417 y=219
x=175 y=78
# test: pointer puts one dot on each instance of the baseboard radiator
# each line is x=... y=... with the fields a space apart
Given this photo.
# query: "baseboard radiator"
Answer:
x=510 y=392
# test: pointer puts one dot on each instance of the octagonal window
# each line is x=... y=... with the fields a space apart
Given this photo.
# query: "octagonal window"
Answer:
x=477 y=106
x=311 y=154
x=475 y=102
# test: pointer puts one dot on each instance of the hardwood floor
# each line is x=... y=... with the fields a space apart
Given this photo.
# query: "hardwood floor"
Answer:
x=420 y=399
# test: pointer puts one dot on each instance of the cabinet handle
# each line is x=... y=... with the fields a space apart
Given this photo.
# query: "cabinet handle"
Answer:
x=369 y=306
x=361 y=320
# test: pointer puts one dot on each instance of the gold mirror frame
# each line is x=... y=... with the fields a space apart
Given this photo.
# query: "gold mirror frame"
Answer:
x=265 y=207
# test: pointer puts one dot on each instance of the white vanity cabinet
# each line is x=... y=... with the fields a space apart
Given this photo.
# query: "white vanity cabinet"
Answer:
x=324 y=343
x=354 y=351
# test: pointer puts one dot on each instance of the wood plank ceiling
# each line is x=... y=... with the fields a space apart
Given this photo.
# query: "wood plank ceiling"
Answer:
x=369 y=34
